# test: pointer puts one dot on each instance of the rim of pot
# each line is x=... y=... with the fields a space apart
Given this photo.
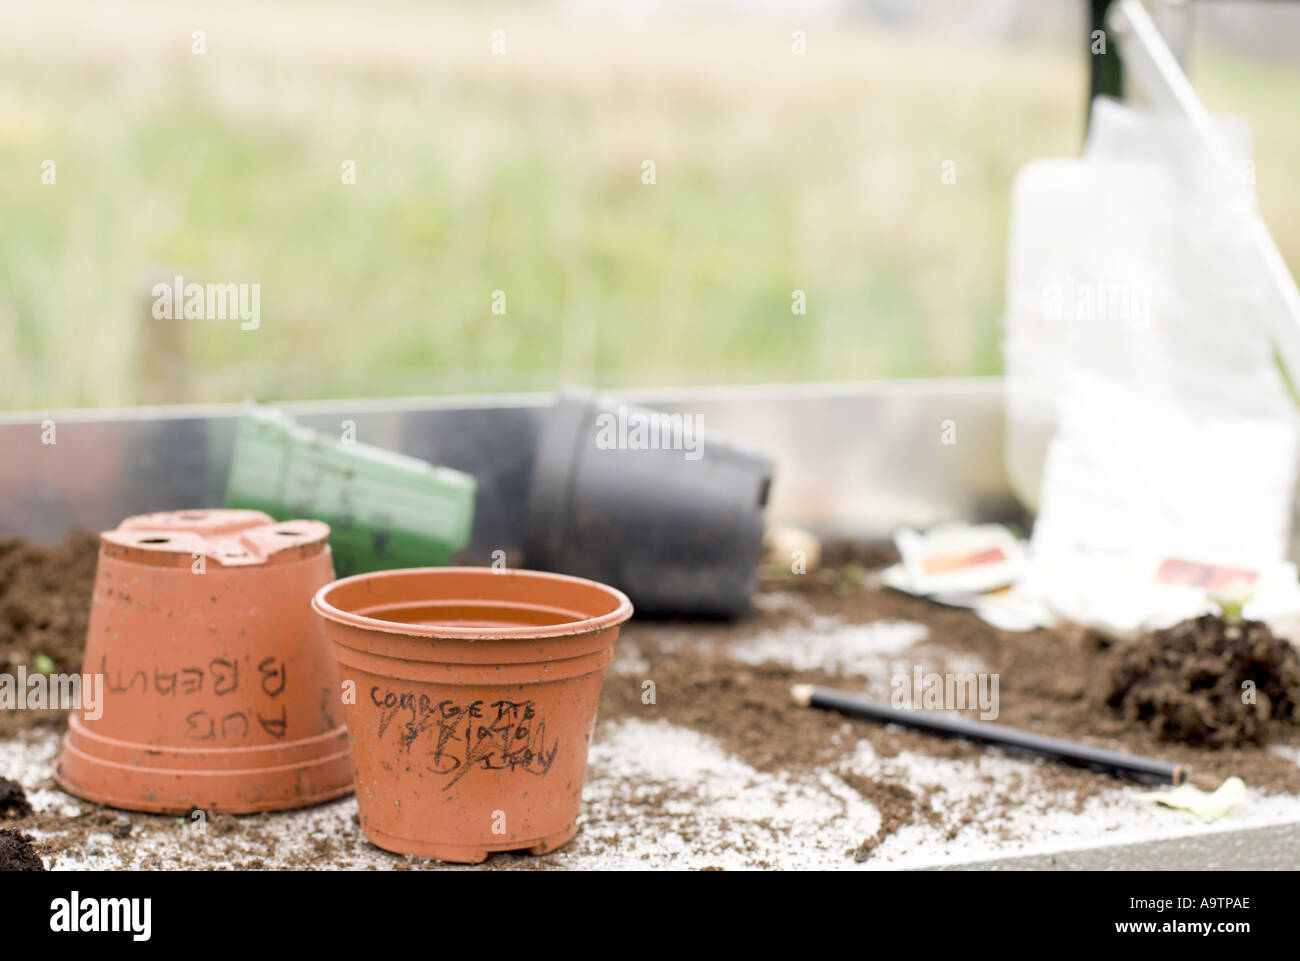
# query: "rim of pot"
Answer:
x=622 y=611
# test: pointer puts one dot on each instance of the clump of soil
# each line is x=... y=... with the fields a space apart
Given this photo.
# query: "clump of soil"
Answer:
x=13 y=800
x=16 y=852
x=44 y=607
x=1192 y=683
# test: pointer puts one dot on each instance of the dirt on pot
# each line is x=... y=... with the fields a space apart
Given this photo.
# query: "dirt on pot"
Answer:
x=1209 y=682
x=17 y=853
x=44 y=607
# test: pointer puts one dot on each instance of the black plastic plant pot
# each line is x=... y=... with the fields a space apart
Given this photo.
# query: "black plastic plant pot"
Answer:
x=644 y=501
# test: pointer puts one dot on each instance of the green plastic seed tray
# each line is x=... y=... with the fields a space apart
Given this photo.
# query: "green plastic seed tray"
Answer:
x=385 y=510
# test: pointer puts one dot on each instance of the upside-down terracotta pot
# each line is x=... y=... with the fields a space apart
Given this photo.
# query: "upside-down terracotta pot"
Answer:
x=475 y=698
x=219 y=689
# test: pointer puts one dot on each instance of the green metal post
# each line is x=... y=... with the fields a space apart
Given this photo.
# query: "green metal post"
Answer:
x=1105 y=70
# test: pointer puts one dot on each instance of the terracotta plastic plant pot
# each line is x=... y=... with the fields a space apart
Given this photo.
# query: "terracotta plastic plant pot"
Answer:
x=219 y=689
x=475 y=698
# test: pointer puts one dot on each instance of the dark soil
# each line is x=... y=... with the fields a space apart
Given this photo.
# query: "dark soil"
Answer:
x=13 y=800
x=16 y=852
x=839 y=554
x=1055 y=682
x=1211 y=683
x=44 y=607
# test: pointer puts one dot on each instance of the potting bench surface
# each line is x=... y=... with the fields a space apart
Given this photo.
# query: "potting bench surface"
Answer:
x=718 y=772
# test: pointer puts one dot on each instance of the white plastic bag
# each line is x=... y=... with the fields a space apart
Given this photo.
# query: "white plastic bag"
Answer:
x=1134 y=266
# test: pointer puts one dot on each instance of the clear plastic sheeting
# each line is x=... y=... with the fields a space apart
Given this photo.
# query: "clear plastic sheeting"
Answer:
x=1134 y=268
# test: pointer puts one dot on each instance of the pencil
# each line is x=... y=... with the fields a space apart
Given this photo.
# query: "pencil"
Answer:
x=1117 y=763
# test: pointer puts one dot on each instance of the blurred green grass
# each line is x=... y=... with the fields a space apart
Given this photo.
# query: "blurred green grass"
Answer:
x=522 y=173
